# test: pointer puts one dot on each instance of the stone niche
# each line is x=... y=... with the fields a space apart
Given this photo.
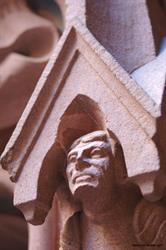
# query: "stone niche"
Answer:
x=91 y=145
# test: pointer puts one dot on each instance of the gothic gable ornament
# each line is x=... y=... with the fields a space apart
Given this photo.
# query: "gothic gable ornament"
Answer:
x=84 y=94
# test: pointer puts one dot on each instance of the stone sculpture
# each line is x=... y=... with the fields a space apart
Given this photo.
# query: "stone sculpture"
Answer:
x=84 y=75
x=107 y=202
x=112 y=213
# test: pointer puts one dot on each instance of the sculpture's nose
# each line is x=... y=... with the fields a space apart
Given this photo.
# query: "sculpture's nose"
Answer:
x=81 y=163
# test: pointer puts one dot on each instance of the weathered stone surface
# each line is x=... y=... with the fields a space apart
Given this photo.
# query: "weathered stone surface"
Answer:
x=84 y=89
x=152 y=76
x=96 y=176
x=125 y=25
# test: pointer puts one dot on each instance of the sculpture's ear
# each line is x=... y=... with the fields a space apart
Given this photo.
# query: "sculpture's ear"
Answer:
x=119 y=159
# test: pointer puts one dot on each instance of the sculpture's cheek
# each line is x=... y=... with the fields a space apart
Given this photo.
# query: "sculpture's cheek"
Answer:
x=102 y=164
x=69 y=170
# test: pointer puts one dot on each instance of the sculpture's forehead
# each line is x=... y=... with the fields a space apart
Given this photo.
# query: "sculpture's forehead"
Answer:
x=94 y=136
x=88 y=145
x=97 y=136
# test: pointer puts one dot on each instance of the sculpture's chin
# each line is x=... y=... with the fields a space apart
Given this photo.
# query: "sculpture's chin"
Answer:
x=84 y=190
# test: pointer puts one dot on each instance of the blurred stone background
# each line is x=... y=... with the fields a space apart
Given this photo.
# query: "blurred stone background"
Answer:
x=13 y=228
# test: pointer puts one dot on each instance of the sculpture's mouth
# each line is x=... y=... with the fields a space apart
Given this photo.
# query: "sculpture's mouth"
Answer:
x=82 y=178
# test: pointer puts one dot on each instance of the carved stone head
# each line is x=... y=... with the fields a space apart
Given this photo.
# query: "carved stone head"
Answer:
x=90 y=162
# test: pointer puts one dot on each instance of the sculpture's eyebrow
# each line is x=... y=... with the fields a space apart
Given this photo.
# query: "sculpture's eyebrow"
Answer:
x=86 y=147
x=72 y=153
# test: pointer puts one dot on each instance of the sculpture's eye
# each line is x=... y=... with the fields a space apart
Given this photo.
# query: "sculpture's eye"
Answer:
x=96 y=153
x=72 y=158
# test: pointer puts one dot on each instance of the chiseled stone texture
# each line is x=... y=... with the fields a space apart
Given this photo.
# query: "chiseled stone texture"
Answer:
x=93 y=135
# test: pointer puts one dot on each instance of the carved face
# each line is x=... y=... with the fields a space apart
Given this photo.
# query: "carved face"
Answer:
x=89 y=161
